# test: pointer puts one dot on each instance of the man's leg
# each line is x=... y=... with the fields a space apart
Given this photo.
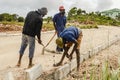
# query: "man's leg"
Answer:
x=59 y=50
x=22 y=49
x=78 y=59
x=78 y=50
x=19 y=61
x=63 y=56
x=71 y=54
x=31 y=41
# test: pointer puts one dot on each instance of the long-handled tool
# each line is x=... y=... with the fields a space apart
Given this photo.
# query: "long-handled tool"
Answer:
x=47 y=45
x=41 y=43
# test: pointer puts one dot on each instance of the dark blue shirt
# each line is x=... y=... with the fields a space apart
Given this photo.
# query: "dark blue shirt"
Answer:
x=60 y=22
x=70 y=34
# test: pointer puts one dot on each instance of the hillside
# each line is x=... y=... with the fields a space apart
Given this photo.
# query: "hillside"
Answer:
x=111 y=13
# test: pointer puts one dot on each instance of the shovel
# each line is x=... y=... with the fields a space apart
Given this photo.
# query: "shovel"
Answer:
x=44 y=47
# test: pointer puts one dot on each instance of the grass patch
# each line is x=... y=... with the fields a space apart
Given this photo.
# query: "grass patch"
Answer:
x=105 y=73
x=88 y=26
x=48 y=26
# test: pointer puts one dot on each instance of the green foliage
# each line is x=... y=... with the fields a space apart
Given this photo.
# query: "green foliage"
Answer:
x=88 y=26
x=48 y=26
x=72 y=13
x=48 y=19
x=107 y=73
x=118 y=17
x=82 y=17
x=111 y=13
x=20 y=19
x=10 y=17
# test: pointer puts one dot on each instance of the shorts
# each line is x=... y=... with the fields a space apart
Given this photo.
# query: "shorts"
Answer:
x=25 y=41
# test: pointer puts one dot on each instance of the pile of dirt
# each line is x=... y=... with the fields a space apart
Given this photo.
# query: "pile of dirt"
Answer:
x=5 y=28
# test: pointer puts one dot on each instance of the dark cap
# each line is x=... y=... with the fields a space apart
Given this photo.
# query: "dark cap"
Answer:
x=43 y=11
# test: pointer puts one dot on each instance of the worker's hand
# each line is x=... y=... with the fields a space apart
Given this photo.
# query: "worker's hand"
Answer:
x=39 y=41
x=56 y=32
x=57 y=64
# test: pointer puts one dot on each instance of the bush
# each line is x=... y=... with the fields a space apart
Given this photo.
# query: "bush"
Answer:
x=88 y=26
x=48 y=26
x=20 y=19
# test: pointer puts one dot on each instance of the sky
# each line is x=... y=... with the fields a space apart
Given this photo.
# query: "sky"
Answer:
x=22 y=7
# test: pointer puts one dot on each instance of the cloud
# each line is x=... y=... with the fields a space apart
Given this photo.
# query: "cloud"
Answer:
x=104 y=4
x=93 y=5
x=116 y=4
x=87 y=5
x=22 y=7
x=68 y=3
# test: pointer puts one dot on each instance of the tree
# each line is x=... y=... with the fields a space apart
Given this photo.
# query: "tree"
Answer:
x=20 y=19
x=4 y=17
x=72 y=13
x=15 y=17
x=49 y=18
x=83 y=11
x=98 y=13
x=79 y=11
x=8 y=17
x=81 y=16
x=118 y=17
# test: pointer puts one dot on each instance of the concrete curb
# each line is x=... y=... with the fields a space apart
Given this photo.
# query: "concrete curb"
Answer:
x=9 y=76
x=7 y=35
x=34 y=72
x=19 y=34
x=62 y=72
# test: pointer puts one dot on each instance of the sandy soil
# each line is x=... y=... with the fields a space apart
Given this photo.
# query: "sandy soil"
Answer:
x=111 y=54
x=9 y=47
